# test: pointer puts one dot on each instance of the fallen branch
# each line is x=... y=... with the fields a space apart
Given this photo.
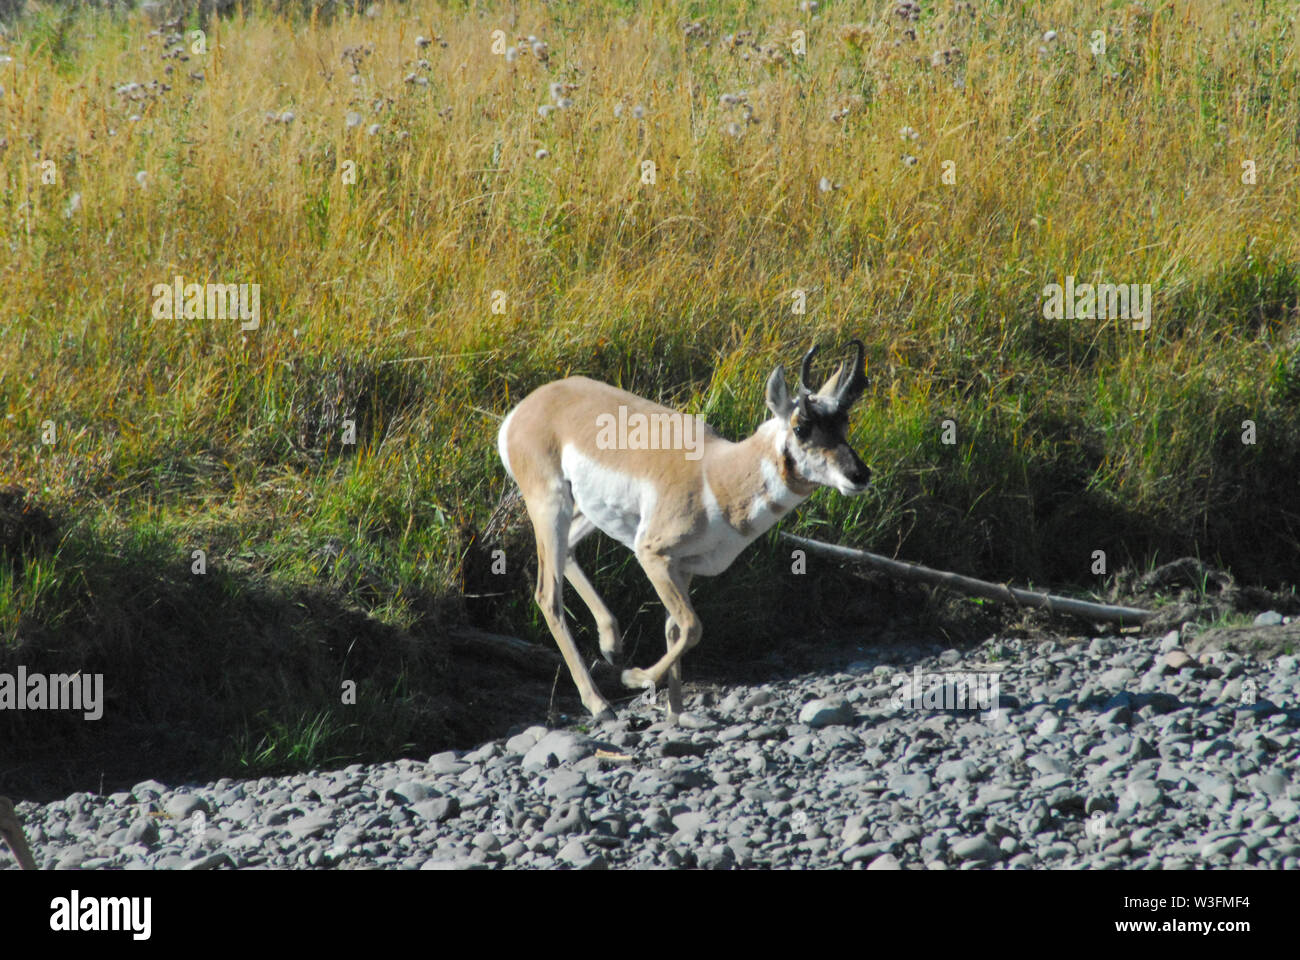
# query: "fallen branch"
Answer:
x=1002 y=593
x=530 y=657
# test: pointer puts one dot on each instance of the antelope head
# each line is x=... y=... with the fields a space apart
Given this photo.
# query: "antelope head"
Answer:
x=816 y=444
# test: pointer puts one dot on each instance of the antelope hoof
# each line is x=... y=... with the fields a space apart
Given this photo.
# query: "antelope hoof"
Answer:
x=638 y=679
x=613 y=655
x=605 y=715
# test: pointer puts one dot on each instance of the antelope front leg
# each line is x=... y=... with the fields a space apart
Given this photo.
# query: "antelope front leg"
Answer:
x=682 y=631
x=671 y=633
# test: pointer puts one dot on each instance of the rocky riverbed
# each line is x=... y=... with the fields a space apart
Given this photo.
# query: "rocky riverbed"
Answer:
x=1111 y=753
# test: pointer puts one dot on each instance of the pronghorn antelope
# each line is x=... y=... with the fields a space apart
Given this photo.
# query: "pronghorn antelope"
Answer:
x=684 y=506
x=12 y=833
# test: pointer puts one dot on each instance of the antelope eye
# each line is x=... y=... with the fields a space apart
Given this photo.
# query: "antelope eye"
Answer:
x=803 y=430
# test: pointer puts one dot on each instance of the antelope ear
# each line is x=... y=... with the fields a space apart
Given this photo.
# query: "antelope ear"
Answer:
x=778 y=396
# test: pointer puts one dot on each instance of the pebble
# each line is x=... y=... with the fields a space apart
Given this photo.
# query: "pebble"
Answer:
x=558 y=747
x=913 y=785
x=825 y=713
x=182 y=806
x=975 y=848
x=437 y=810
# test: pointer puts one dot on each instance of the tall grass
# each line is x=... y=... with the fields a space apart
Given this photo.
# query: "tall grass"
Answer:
x=377 y=292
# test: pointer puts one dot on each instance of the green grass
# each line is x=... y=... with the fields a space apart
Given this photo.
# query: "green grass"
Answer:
x=298 y=744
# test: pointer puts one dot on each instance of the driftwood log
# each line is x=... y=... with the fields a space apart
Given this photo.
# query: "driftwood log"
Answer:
x=529 y=657
x=1000 y=592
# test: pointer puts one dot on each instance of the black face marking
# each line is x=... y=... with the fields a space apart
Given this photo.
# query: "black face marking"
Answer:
x=827 y=430
x=821 y=428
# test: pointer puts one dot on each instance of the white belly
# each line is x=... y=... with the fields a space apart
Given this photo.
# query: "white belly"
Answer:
x=614 y=502
x=714 y=550
x=715 y=557
x=620 y=505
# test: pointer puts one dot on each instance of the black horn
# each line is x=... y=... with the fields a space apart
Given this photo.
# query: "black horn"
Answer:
x=805 y=370
x=851 y=389
x=805 y=391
